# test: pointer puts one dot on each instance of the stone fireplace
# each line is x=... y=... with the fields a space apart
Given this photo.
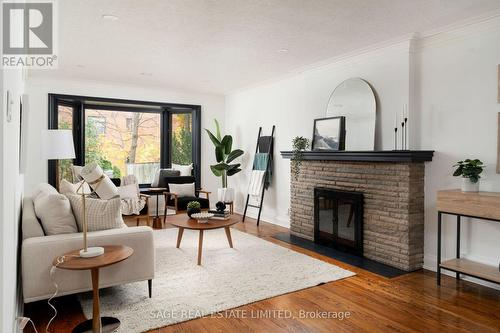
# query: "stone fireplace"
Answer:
x=392 y=186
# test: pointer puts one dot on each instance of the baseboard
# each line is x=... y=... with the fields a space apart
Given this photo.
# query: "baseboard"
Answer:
x=276 y=220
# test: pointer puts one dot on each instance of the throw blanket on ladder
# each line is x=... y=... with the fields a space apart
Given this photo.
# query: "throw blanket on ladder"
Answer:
x=256 y=183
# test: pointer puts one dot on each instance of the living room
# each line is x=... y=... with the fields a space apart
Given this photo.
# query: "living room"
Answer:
x=349 y=150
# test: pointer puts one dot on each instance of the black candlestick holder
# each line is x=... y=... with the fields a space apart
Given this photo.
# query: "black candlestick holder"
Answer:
x=403 y=135
x=395 y=138
x=406 y=133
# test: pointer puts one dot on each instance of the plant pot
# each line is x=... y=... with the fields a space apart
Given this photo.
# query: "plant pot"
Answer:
x=191 y=211
x=468 y=186
x=225 y=194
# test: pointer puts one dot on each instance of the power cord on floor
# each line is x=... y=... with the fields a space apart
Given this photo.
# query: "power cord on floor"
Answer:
x=23 y=321
x=59 y=261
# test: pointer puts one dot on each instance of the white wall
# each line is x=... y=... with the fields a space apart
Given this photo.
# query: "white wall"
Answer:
x=457 y=90
x=450 y=79
x=10 y=201
x=11 y=192
x=292 y=103
x=212 y=106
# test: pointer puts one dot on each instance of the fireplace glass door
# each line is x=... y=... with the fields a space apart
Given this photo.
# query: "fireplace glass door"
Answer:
x=339 y=219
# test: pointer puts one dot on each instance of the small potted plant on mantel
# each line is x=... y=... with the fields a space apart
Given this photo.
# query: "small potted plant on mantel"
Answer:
x=299 y=144
x=470 y=171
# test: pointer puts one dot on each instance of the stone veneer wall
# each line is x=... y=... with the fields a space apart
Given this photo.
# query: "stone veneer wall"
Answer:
x=393 y=209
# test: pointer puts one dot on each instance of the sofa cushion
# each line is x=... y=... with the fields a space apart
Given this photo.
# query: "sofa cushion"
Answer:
x=43 y=188
x=31 y=226
x=55 y=214
x=101 y=214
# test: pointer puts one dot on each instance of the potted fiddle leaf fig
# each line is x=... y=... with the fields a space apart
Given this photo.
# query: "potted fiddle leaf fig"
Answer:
x=224 y=155
x=470 y=171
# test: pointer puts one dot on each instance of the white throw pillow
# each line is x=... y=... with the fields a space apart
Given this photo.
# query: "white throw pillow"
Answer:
x=128 y=191
x=77 y=173
x=101 y=214
x=55 y=214
x=182 y=190
x=66 y=187
x=185 y=170
x=43 y=188
x=99 y=181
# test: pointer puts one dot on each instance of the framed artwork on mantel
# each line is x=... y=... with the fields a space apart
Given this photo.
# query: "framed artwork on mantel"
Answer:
x=329 y=133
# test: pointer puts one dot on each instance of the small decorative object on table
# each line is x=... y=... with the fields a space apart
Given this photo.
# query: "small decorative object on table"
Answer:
x=470 y=171
x=193 y=207
x=221 y=207
x=220 y=213
x=202 y=217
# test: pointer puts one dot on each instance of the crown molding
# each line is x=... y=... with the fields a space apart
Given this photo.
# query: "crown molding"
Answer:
x=458 y=31
x=401 y=44
x=410 y=43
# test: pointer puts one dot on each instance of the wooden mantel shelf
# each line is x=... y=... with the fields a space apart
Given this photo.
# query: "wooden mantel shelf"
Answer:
x=366 y=156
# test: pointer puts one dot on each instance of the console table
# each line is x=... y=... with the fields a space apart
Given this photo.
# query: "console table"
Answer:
x=481 y=205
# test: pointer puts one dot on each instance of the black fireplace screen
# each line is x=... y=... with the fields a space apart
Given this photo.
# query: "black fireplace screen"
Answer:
x=338 y=219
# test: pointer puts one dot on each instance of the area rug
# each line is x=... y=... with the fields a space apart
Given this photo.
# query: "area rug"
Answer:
x=253 y=270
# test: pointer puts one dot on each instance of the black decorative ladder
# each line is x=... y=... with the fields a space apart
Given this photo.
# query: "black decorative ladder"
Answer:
x=264 y=145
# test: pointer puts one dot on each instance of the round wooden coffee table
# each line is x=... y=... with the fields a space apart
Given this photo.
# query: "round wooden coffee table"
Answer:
x=184 y=222
x=72 y=261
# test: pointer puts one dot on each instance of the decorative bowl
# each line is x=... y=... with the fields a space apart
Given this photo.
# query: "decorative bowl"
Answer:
x=202 y=217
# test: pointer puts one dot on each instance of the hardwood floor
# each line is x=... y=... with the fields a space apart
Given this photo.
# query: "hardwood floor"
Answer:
x=409 y=303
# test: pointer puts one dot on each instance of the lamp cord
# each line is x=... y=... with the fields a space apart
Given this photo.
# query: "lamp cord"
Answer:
x=59 y=261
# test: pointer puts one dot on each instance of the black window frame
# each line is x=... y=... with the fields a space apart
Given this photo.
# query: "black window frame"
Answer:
x=80 y=103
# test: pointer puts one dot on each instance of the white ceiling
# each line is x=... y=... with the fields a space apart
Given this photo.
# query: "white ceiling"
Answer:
x=218 y=46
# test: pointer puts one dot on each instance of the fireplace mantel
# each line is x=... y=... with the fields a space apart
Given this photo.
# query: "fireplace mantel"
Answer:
x=404 y=156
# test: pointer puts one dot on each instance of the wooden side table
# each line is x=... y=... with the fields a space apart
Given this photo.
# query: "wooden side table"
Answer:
x=480 y=205
x=155 y=191
x=72 y=261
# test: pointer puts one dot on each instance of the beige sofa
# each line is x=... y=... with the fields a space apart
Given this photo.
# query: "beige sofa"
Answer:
x=38 y=252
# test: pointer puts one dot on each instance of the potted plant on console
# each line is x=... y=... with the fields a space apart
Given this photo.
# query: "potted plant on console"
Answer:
x=470 y=171
x=224 y=156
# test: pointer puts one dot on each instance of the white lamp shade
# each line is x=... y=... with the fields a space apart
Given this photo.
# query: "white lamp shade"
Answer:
x=57 y=145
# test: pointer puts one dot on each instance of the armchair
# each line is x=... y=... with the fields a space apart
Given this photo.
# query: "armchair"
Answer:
x=179 y=204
